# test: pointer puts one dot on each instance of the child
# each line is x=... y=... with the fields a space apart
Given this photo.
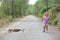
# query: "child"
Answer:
x=45 y=21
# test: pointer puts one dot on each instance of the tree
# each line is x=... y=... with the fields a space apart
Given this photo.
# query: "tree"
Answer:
x=19 y=7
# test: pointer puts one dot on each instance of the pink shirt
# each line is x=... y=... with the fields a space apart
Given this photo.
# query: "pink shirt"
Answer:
x=45 y=19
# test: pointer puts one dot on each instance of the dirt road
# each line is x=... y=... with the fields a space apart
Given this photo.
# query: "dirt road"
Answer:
x=33 y=31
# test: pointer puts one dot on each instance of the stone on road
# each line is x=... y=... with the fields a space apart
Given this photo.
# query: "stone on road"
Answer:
x=33 y=31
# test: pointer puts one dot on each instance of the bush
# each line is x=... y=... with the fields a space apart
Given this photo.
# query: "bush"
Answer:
x=5 y=21
x=9 y=18
x=54 y=21
x=43 y=10
x=53 y=16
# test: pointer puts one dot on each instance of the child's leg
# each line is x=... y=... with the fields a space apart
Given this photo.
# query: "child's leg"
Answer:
x=46 y=28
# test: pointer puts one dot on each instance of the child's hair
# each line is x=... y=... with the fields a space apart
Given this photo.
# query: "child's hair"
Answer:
x=46 y=13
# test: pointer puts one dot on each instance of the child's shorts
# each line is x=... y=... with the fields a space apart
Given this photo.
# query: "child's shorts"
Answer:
x=45 y=24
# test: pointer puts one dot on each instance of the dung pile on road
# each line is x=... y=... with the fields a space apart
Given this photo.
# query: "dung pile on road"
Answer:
x=15 y=30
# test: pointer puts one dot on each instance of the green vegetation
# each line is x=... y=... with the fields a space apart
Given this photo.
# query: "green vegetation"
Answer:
x=16 y=8
x=54 y=15
x=12 y=8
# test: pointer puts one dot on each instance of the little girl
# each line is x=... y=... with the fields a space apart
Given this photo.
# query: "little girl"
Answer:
x=45 y=21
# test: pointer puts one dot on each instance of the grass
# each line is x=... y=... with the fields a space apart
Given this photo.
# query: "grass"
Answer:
x=5 y=21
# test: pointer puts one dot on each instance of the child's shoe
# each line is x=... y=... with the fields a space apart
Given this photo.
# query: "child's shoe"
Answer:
x=44 y=31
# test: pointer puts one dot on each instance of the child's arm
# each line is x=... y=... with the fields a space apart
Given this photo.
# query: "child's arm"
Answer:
x=48 y=18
